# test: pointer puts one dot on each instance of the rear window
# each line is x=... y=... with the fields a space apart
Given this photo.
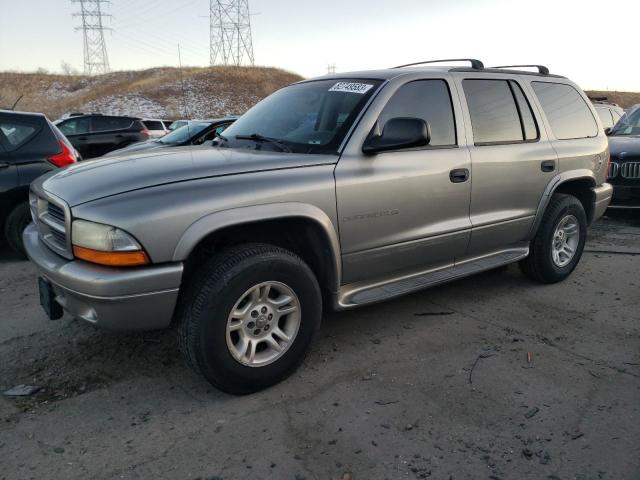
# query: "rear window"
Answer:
x=499 y=112
x=103 y=124
x=17 y=133
x=153 y=124
x=428 y=100
x=566 y=110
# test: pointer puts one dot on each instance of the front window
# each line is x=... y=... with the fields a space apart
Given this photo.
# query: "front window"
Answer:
x=308 y=117
x=184 y=133
x=629 y=124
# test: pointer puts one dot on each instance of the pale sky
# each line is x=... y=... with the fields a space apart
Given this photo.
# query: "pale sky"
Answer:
x=585 y=40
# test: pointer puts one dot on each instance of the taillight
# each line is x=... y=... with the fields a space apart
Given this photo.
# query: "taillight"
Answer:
x=145 y=132
x=65 y=157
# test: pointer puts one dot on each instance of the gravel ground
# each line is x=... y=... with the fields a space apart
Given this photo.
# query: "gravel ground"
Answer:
x=489 y=377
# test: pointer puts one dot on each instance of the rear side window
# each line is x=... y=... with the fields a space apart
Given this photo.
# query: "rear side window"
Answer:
x=17 y=134
x=493 y=111
x=103 y=124
x=566 y=111
x=429 y=100
x=153 y=125
x=75 y=126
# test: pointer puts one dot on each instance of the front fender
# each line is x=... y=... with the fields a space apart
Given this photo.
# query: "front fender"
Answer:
x=217 y=221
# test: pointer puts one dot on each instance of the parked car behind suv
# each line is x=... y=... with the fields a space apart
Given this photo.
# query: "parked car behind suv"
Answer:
x=94 y=135
x=609 y=113
x=156 y=128
x=624 y=170
x=343 y=190
x=29 y=146
x=196 y=132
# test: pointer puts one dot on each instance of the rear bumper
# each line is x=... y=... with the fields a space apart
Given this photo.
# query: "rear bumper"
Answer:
x=141 y=298
x=602 y=196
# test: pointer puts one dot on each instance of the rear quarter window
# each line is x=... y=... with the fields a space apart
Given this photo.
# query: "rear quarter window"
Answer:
x=567 y=112
x=102 y=124
x=17 y=134
x=153 y=125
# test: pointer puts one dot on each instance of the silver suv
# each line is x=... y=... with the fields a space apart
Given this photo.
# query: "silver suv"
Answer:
x=339 y=191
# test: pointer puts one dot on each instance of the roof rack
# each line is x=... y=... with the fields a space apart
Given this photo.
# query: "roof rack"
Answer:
x=475 y=64
x=541 y=68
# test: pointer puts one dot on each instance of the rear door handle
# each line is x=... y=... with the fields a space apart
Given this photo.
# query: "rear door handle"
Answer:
x=119 y=136
x=82 y=139
x=548 y=166
x=459 y=175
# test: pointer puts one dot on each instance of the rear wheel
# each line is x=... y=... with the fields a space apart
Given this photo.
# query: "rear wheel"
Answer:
x=15 y=224
x=557 y=247
x=248 y=316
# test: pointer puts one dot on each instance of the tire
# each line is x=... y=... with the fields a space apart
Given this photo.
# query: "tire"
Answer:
x=220 y=286
x=16 y=222
x=540 y=265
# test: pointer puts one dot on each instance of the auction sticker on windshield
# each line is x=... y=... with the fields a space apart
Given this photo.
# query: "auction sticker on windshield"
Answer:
x=351 y=87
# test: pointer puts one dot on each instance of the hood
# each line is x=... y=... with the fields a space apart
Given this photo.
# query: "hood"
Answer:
x=87 y=181
x=624 y=146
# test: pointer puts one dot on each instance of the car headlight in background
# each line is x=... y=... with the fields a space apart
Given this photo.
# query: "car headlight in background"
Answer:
x=106 y=245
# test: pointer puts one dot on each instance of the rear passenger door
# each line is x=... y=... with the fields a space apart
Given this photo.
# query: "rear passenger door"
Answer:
x=512 y=162
x=400 y=211
x=108 y=134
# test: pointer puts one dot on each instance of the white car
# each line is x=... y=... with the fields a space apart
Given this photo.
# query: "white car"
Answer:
x=155 y=127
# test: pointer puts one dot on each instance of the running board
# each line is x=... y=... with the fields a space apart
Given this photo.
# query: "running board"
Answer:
x=357 y=294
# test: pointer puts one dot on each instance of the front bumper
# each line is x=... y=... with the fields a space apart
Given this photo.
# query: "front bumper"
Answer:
x=602 y=196
x=141 y=298
x=626 y=195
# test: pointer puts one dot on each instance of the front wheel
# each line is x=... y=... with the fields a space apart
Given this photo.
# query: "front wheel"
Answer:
x=558 y=245
x=248 y=316
x=14 y=226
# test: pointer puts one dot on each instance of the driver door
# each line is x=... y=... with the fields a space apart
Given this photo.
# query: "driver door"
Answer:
x=405 y=211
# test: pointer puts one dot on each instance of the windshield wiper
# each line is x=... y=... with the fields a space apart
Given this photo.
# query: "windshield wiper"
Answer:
x=256 y=137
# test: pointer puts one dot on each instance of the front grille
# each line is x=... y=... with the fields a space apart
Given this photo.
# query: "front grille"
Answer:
x=56 y=212
x=613 y=170
x=51 y=219
x=630 y=170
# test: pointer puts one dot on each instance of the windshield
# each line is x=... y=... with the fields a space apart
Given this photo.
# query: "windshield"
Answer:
x=184 y=133
x=309 y=117
x=629 y=124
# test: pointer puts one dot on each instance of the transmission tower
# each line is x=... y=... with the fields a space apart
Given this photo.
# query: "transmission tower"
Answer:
x=230 y=32
x=96 y=60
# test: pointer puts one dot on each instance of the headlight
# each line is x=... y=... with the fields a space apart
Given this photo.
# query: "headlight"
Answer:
x=106 y=245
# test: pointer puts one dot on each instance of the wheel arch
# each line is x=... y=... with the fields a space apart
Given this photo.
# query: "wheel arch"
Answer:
x=302 y=228
x=579 y=183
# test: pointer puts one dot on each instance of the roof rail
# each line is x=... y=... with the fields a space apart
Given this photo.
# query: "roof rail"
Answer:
x=475 y=64
x=541 y=68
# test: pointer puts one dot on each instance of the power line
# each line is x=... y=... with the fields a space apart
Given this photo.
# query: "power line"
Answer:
x=96 y=60
x=230 y=32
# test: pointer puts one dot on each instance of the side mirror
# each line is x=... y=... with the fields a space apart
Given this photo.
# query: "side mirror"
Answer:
x=398 y=133
x=607 y=131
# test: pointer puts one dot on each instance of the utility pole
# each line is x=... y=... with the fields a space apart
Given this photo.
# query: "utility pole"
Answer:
x=230 y=41
x=96 y=60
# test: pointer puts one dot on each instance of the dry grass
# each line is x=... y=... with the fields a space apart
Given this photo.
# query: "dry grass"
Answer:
x=211 y=91
x=624 y=99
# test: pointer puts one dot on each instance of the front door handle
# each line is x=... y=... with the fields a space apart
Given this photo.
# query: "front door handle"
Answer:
x=459 y=175
x=548 y=166
x=4 y=165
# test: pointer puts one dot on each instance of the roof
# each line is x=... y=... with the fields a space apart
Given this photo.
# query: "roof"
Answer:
x=389 y=73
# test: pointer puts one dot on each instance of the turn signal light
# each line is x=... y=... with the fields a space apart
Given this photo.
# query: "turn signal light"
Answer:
x=111 y=259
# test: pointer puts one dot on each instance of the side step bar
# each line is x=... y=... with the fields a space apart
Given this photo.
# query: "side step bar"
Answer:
x=358 y=294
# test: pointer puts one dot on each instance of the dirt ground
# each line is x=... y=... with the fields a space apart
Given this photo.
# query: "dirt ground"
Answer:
x=491 y=377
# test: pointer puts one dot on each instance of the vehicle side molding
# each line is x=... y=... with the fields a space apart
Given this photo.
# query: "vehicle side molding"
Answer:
x=217 y=221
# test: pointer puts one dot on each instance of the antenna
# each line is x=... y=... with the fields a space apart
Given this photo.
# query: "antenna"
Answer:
x=184 y=95
x=96 y=60
x=230 y=32
x=331 y=69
